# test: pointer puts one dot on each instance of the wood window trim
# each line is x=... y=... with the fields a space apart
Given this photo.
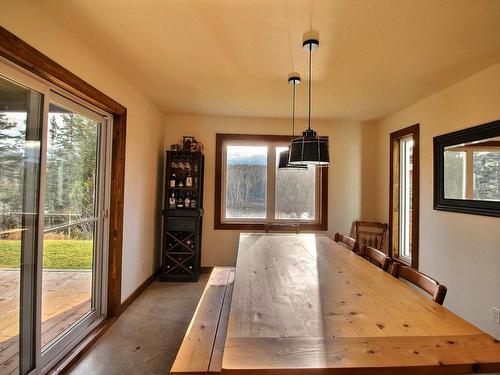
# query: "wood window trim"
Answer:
x=22 y=54
x=414 y=131
x=219 y=224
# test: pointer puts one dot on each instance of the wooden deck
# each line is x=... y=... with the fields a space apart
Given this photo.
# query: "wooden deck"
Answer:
x=66 y=299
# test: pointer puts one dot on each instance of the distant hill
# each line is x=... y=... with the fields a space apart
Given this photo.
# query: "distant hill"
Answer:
x=248 y=160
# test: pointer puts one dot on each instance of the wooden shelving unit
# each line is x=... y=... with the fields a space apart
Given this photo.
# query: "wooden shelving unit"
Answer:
x=182 y=227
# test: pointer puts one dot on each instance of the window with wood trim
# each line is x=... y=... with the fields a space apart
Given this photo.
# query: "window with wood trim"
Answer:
x=404 y=195
x=251 y=192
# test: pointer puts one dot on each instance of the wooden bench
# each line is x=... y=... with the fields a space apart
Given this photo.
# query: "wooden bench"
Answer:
x=203 y=345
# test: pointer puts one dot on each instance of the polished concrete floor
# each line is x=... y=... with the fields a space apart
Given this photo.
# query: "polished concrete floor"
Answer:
x=145 y=339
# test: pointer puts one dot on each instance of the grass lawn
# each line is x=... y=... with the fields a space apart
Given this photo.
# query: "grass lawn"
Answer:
x=57 y=254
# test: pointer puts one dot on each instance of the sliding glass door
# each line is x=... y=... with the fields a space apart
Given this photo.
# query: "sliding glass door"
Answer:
x=53 y=221
x=20 y=154
x=74 y=219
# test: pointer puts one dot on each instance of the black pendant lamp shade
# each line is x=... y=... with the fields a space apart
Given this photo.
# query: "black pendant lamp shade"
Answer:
x=284 y=162
x=293 y=79
x=309 y=149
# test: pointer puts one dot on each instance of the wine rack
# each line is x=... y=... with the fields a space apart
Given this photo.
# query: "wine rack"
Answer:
x=181 y=248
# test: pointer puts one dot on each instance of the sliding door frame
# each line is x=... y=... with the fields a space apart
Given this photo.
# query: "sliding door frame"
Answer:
x=31 y=269
x=56 y=349
x=25 y=56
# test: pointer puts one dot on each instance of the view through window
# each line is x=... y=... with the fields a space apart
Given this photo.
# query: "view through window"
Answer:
x=254 y=190
x=472 y=171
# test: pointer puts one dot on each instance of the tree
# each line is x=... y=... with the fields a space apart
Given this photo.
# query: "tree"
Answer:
x=454 y=187
x=71 y=170
x=246 y=189
x=12 y=140
x=487 y=175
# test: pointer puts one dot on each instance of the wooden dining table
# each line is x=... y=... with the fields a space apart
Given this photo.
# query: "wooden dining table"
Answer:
x=303 y=304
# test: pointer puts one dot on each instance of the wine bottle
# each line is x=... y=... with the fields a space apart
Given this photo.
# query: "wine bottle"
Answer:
x=189 y=179
x=187 y=201
x=172 y=201
x=180 y=201
x=193 y=201
x=172 y=180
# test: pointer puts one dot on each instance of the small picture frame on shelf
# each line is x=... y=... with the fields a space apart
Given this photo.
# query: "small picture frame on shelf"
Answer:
x=187 y=141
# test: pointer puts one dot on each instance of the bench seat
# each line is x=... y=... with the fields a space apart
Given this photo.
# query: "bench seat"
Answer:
x=203 y=345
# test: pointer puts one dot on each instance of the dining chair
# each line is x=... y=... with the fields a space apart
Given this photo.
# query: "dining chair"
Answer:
x=376 y=257
x=370 y=233
x=347 y=241
x=424 y=282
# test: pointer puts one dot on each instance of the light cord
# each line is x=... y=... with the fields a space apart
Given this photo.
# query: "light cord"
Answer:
x=310 y=83
x=293 y=110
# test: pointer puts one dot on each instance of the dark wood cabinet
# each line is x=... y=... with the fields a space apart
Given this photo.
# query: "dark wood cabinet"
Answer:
x=182 y=216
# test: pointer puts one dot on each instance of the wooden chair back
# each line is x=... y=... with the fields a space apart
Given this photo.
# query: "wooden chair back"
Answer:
x=376 y=257
x=424 y=282
x=371 y=234
x=347 y=241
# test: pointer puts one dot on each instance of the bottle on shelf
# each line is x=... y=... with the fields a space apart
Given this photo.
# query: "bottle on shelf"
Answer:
x=189 y=179
x=181 y=181
x=192 y=204
x=172 y=202
x=187 y=200
x=180 y=201
x=172 y=180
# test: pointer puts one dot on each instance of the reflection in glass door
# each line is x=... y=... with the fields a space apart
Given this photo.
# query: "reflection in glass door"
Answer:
x=20 y=134
x=54 y=155
x=73 y=222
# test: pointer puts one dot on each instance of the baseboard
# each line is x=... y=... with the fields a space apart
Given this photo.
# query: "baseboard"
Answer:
x=136 y=293
x=206 y=269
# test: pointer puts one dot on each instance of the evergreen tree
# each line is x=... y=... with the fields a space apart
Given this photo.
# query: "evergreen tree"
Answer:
x=71 y=166
x=12 y=140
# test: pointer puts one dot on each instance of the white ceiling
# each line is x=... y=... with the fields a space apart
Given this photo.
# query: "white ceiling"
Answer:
x=232 y=57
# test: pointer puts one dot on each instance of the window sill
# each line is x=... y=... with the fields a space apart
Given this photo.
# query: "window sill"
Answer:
x=405 y=261
x=274 y=227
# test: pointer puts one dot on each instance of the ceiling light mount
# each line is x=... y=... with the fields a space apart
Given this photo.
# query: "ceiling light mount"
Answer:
x=294 y=78
x=310 y=45
x=310 y=41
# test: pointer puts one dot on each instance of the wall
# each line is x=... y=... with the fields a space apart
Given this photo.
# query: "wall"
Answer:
x=344 y=185
x=144 y=155
x=462 y=251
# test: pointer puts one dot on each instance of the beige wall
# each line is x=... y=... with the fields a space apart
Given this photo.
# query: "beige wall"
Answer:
x=345 y=178
x=462 y=251
x=145 y=145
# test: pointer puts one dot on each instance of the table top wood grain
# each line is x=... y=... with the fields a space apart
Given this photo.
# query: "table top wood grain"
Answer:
x=304 y=304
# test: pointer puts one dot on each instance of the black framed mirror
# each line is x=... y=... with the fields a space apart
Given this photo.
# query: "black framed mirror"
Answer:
x=467 y=170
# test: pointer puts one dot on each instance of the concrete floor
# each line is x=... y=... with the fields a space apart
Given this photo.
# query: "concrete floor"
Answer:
x=145 y=339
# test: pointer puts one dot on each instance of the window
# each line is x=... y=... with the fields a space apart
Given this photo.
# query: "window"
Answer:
x=405 y=183
x=404 y=195
x=253 y=193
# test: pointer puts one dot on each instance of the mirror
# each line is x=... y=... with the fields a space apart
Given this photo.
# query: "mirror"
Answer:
x=467 y=170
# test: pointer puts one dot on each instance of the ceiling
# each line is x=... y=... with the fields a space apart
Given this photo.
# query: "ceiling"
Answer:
x=232 y=57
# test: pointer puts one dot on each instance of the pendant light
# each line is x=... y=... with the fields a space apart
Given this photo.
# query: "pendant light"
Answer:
x=294 y=80
x=310 y=149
